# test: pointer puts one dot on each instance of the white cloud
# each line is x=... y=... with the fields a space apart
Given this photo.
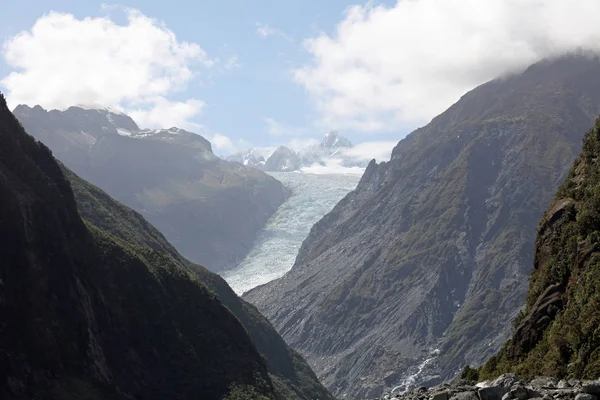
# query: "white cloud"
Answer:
x=225 y=145
x=275 y=128
x=62 y=61
x=366 y=151
x=265 y=31
x=386 y=67
x=222 y=142
x=299 y=144
x=332 y=166
x=232 y=63
x=164 y=113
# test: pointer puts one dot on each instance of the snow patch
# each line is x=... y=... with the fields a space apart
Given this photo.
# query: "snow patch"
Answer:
x=89 y=137
x=123 y=132
x=109 y=109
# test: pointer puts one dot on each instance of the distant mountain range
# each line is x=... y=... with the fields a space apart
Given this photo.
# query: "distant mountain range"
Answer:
x=210 y=209
x=332 y=149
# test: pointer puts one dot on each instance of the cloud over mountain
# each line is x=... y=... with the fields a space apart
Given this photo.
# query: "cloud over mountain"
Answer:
x=137 y=66
x=388 y=67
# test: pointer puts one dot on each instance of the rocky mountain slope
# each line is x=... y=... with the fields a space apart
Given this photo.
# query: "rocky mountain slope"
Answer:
x=558 y=333
x=291 y=375
x=85 y=315
x=211 y=210
x=417 y=272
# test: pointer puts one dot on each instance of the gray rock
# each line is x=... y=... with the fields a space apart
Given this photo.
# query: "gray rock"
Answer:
x=470 y=395
x=585 y=396
x=493 y=392
x=562 y=384
x=441 y=396
x=506 y=380
x=533 y=394
x=520 y=392
x=543 y=383
x=508 y=396
x=591 y=388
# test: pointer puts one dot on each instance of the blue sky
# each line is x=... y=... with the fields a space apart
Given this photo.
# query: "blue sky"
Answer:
x=267 y=73
x=239 y=100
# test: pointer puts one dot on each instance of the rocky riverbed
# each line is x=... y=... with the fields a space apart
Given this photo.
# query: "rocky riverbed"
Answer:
x=506 y=387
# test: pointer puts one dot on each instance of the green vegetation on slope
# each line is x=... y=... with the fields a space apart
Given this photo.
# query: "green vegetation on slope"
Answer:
x=291 y=375
x=85 y=315
x=558 y=334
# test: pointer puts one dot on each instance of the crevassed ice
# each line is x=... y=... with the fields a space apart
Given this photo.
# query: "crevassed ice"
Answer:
x=277 y=246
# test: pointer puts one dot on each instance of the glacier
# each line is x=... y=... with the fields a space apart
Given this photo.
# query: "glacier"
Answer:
x=275 y=250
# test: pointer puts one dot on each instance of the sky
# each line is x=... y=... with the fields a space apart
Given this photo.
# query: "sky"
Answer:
x=262 y=73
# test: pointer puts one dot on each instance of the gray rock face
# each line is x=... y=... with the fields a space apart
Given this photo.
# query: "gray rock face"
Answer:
x=283 y=160
x=211 y=210
x=434 y=248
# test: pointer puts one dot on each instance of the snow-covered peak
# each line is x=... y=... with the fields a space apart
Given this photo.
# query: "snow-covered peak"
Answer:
x=333 y=140
x=107 y=109
x=333 y=150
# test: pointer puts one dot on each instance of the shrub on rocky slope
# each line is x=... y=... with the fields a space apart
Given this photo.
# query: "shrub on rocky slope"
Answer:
x=558 y=334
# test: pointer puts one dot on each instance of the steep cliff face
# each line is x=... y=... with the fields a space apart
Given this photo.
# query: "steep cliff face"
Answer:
x=558 y=334
x=292 y=377
x=85 y=315
x=423 y=264
x=211 y=210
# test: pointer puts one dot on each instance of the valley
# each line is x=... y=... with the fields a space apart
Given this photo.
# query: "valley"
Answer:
x=275 y=250
x=337 y=200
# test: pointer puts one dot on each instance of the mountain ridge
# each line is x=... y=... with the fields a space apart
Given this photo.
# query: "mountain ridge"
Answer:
x=331 y=149
x=171 y=176
x=415 y=258
x=290 y=373
x=86 y=315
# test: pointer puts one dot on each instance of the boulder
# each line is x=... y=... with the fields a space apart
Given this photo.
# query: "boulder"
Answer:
x=493 y=392
x=506 y=380
x=470 y=395
x=585 y=396
x=440 y=396
x=591 y=388
x=519 y=393
x=540 y=383
x=508 y=396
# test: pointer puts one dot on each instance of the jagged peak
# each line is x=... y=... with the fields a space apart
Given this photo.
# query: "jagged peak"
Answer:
x=333 y=139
